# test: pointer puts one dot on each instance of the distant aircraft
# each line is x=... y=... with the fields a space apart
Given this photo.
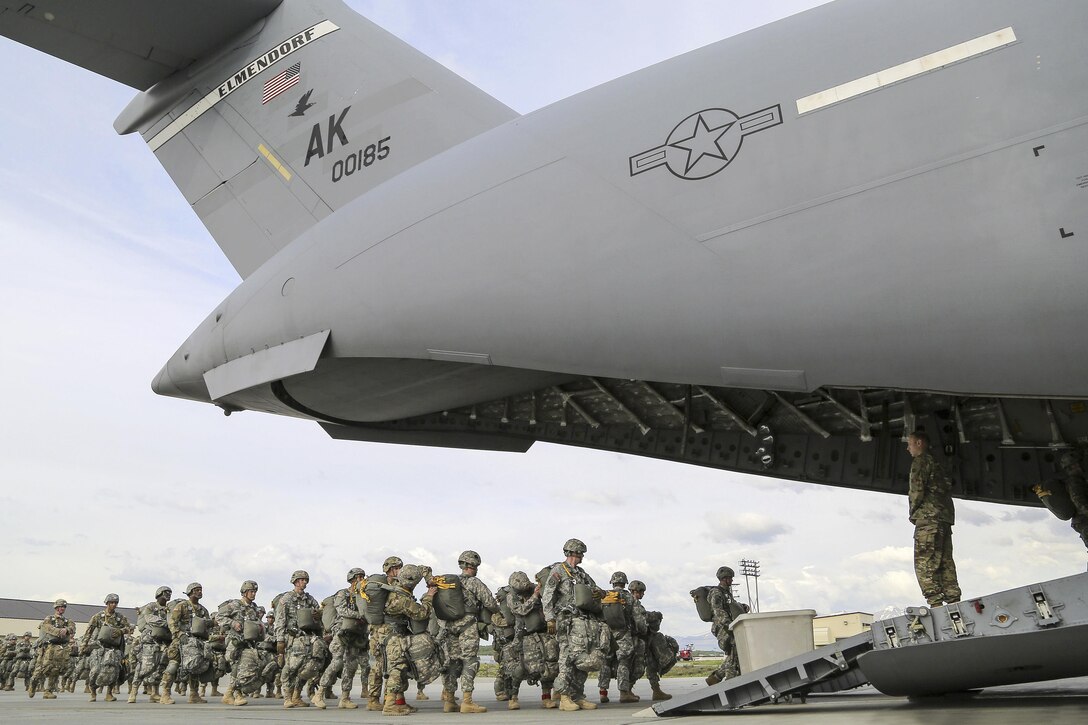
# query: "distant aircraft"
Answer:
x=776 y=254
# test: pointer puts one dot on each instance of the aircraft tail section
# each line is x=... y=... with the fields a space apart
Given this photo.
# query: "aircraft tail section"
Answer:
x=302 y=108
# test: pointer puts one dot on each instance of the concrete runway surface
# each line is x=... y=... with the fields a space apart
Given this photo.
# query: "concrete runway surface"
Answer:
x=1048 y=703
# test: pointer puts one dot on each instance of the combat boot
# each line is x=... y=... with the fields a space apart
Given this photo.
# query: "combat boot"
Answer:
x=154 y=696
x=296 y=697
x=512 y=703
x=547 y=701
x=395 y=706
x=373 y=704
x=468 y=706
x=660 y=694
x=215 y=690
x=86 y=686
x=713 y=679
x=628 y=696
x=164 y=698
x=48 y=695
x=567 y=705
x=131 y=696
x=195 y=698
x=30 y=690
x=345 y=702
x=318 y=699
x=449 y=701
x=421 y=696
x=109 y=694
x=94 y=695
x=604 y=696
x=288 y=701
x=239 y=698
x=502 y=696
x=584 y=704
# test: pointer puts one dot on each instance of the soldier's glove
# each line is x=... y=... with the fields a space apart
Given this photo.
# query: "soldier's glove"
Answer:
x=499 y=621
x=281 y=648
x=551 y=626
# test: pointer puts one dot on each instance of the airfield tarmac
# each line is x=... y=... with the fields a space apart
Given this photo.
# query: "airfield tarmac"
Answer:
x=1052 y=703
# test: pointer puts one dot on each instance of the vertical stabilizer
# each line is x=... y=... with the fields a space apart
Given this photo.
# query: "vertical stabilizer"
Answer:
x=299 y=114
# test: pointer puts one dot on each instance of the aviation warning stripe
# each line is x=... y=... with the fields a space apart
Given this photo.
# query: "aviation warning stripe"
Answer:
x=242 y=76
x=910 y=69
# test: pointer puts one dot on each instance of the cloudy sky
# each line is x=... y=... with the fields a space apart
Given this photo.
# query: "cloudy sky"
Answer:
x=105 y=486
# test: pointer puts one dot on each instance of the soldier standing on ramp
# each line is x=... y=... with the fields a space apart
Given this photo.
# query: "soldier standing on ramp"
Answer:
x=933 y=514
x=724 y=606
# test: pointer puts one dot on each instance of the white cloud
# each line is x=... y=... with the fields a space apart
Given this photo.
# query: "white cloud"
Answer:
x=745 y=528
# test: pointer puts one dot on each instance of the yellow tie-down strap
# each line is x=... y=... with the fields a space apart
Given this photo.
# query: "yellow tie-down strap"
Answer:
x=612 y=597
x=441 y=583
x=360 y=591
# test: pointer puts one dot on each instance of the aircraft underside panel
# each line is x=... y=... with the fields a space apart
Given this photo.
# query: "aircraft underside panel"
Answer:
x=996 y=449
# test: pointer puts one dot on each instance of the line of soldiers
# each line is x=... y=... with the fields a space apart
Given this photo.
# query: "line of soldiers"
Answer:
x=550 y=632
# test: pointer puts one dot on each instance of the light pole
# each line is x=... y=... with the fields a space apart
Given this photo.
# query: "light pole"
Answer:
x=749 y=568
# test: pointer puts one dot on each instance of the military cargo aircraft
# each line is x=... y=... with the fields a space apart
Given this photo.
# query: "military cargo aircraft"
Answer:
x=776 y=254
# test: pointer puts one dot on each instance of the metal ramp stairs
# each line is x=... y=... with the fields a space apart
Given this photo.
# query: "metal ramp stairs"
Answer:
x=1028 y=634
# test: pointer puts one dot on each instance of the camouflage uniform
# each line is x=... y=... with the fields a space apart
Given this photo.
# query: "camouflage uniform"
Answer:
x=643 y=660
x=270 y=667
x=19 y=661
x=349 y=649
x=531 y=656
x=152 y=653
x=7 y=661
x=107 y=663
x=245 y=664
x=584 y=640
x=400 y=607
x=181 y=623
x=303 y=651
x=933 y=514
x=623 y=646
x=1073 y=465
x=57 y=632
x=378 y=635
x=721 y=599
x=462 y=635
x=503 y=640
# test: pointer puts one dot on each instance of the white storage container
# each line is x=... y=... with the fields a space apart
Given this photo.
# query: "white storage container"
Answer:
x=765 y=638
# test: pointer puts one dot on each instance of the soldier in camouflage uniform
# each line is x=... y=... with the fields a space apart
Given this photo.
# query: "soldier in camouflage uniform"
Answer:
x=7 y=661
x=181 y=622
x=643 y=660
x=623 y=639
x=270 y=668
x=151 y=656
x=724 y=607
x=102 y=657
x=295 y=648
x=378 y=633
x=583 y=638
x=242 y=655
x=22 y=658
x=349 y=648
x=57 y=633
x=1073 y=465
x=532 y=656
x=400 y=607
x=503 y=640
x=463 y=636
x=933 y=514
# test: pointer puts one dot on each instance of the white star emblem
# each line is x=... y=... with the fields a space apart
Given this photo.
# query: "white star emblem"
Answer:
x=703 y=142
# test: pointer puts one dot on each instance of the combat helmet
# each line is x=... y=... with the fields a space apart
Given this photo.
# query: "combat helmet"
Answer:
x=468 y=558
x=193 y=586
x=410 y=575
x=519 y=582
x=618 y=578
x=356 y=571
x=574 y=546
x=725 y=572
x=27 y=634
x=636 y=586
x=391 y=562
x=60 y=603
x=247 y=585
x=111 y=598
x=299 y=574
x=163 y=590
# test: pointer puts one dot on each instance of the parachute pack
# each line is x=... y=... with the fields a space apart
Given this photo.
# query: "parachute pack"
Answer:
x=449 y=601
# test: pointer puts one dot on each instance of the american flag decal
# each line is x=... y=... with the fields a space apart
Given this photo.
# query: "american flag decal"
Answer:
x=280 y=83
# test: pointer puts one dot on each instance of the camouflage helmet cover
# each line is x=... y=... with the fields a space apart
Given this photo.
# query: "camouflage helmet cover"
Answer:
x=356 y=571
x=574 y=546
x=163 y=591
x=27 y=634
x=247 y=586
x=618 y=578
x=111 y=598
x=410 y=575
x=193 y=586
x=391 y=562
x=725 y=572
x=60 y=603
x=519 y=582
x=299 y=574
x=468 y=558
x=636 y=586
